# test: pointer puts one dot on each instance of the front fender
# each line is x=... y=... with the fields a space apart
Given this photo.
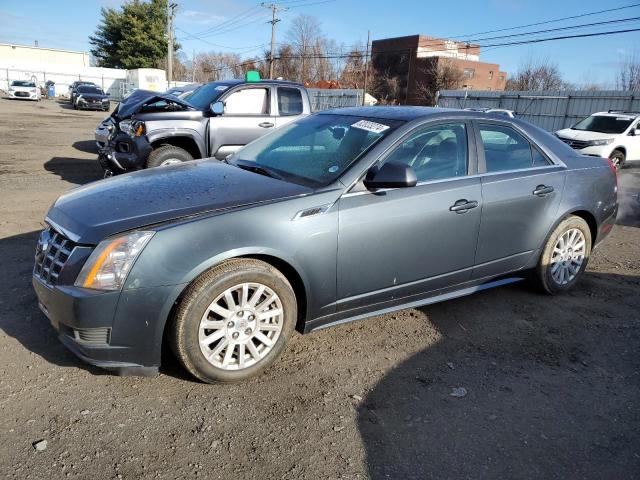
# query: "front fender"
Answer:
x=168 y=133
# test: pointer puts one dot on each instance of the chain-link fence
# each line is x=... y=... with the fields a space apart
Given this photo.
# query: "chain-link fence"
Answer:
x=112 y=84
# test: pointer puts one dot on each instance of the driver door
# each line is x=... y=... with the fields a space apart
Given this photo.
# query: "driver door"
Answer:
x=247 y=116
x=399 y=243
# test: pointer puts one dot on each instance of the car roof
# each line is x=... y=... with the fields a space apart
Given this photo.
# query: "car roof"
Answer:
x=237 y=81
x=613 y=113
x=406 y=113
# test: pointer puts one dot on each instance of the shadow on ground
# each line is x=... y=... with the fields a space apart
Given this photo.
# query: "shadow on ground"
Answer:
x=20 y=316
x=553 y=394
x=86 y=146
x=75 y=170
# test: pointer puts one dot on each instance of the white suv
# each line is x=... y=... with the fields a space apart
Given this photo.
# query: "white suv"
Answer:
x=613 y=134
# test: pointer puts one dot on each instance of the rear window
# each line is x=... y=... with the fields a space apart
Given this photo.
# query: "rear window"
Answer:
x=289 y=101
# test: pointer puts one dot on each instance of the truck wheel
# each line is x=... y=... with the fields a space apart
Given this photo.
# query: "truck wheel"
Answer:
x=618 y=158
x=233 y=321
x=565 y=256
x=167 y=155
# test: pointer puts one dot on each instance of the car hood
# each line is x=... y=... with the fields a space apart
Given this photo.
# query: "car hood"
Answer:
x=584 y=134
x=21 y=88
x=146 y=197
x=139 y=98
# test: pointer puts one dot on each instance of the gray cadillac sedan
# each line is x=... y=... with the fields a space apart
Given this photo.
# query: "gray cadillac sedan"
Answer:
x=336 y=217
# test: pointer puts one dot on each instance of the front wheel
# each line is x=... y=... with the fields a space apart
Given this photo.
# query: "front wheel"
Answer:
x=565 y=256
x=167 y=155
x=233 y=321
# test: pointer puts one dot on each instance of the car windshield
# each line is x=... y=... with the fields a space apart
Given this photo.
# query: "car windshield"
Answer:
x=88 y=89
x=22 y=83
x=205 y=95
x=316 y=150
x=603 y=124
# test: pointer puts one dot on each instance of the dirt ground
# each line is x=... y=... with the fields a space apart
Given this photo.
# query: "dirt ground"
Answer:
x=553 y=383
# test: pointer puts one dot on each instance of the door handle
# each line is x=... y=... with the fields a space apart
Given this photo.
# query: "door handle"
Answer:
x=265 y=124
x=463 y=206
x=543 y=190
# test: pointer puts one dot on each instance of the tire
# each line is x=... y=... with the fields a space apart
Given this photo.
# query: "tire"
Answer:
x=188 y=335
x=618 y=159
x=161 y=156
x=559 y=269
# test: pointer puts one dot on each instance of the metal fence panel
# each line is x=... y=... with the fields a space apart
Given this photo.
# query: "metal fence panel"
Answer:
x=324 y=99
x=551 y=110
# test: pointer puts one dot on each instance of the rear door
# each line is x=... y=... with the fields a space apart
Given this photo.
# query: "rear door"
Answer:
x=249 y=114
x=289 y=104
x=521 y=193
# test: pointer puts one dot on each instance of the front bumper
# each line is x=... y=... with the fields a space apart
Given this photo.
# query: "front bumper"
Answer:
x=18 y=95
x=94 y=105
x=124 y=154
x=118 y=331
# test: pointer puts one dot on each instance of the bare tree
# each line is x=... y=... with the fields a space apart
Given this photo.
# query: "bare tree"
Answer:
x=537 y=74
x=628 y=76
x=305 y=35
x=436 y=73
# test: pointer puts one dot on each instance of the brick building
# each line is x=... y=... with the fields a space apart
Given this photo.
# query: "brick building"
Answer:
x=413 y=61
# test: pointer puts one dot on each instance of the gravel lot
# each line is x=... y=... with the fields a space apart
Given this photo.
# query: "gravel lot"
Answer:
x=553 y=383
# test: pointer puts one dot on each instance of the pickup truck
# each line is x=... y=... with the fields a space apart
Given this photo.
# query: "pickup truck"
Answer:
x=150 y=129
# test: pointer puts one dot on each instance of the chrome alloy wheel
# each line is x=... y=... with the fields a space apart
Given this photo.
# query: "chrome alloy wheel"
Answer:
x=568 y=256
x=241 y=326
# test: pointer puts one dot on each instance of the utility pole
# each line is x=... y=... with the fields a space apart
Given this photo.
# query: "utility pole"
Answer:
x=366 y=68
x=193 y=67
x=170 y=13
x=274 y=10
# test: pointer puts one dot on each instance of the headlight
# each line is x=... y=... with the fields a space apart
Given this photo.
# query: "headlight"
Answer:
x=79 y=98
x=604 y=141
x=109 y=264
x=133 y=128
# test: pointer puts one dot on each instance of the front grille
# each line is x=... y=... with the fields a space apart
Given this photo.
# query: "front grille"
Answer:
x=575 y=144
x=52 y=252
x=21 y=94
x=92 y=335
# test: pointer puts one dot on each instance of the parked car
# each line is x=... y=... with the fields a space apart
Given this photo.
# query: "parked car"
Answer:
x=613 y=134
x=24 y=90
x=89 y=97
x=498 y=111
x=334 y=217
x=155 y=129
x=183 y=91
x=73 y=88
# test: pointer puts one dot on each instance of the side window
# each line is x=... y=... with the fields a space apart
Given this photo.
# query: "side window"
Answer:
x=435 y=153
x=289 y=101
x=249 y=101
x=505 y=149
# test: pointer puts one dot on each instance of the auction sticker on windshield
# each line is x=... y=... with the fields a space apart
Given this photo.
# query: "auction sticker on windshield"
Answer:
x=370 y=126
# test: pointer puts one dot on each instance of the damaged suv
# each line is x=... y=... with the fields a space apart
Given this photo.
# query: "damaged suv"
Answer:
x=151 y=129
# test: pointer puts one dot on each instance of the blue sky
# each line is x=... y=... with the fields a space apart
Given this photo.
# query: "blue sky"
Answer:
x=67 y=24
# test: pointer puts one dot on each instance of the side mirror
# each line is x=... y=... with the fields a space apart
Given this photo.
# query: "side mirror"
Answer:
x=391 y=175
x=217 y=108
x=635 y=133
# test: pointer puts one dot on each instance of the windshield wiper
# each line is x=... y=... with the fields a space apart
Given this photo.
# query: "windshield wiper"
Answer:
x=259 y=169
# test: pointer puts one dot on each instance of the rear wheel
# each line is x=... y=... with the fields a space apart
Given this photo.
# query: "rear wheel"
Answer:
x=234 y=321
x=618 y=158
x=167 y=155
x=565 y=256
